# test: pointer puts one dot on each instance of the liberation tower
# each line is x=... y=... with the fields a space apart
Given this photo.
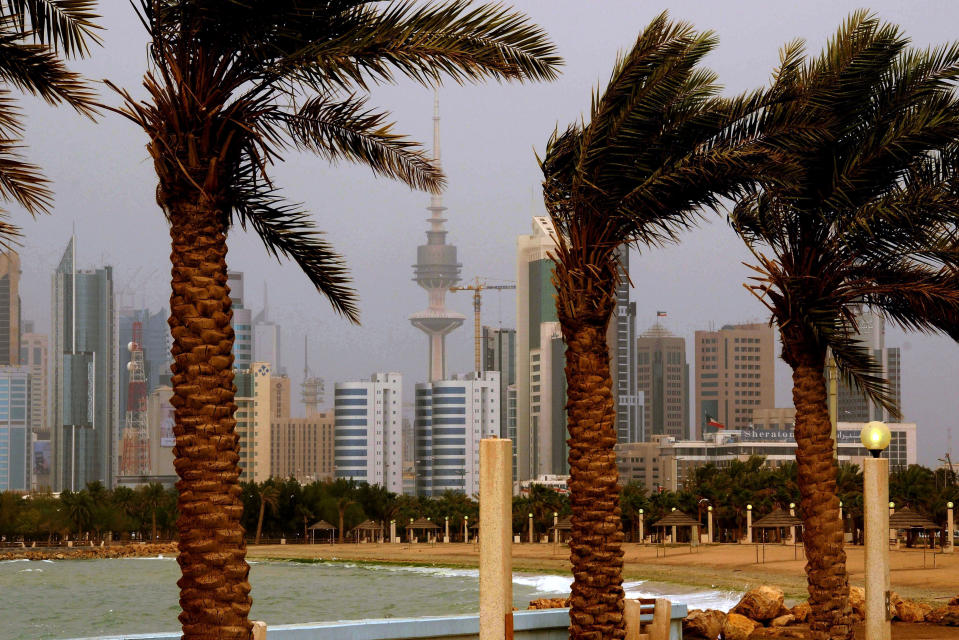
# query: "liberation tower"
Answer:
x=436 y=270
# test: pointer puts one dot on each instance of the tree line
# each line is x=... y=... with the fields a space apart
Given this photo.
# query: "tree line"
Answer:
x=279 y=508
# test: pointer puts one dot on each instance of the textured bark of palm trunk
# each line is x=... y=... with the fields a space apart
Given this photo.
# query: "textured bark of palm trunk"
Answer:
x=214 y=587
x=831 y=615
x=596 y=552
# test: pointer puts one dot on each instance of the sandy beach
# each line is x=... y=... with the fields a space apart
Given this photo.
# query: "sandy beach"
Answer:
x=727 y=566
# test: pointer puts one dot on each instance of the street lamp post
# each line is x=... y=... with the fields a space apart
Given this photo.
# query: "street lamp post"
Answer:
x=749 y=523
x=642 y=521
x=950 y=528
x=875 y=437
x=446 y=535
x=792 y=529
x=709 y=524
x=556 y=526
x=466 y=531
x=531 y=528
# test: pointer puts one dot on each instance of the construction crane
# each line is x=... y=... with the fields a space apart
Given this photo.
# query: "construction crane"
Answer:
x=477 y=288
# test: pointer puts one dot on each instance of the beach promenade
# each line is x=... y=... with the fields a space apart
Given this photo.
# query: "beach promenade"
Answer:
x=727 y=566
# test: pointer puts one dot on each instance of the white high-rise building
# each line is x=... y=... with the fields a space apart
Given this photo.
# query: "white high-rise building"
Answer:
x=242 y=323
x=266 y=338
x=452 y=416
x=853 y=404
x=368 y=436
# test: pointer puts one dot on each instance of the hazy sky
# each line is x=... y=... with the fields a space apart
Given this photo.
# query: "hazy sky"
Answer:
x=105 y=185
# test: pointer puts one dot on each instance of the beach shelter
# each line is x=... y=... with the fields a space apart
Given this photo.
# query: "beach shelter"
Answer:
x=908 y=519
x=563 y=526
x=677 y=518
x=422 y=524
x=322 y=526
x=777 y=519
x=367 y=528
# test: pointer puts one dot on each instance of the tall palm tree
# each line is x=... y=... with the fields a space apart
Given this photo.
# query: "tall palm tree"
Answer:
x=35 y=38
x=655 y=151
x=269 y=496
x=866 y=220
x=231 y=87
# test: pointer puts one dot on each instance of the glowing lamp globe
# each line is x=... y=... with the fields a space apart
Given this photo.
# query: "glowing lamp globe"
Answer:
x=949 y=505
x=875 y=437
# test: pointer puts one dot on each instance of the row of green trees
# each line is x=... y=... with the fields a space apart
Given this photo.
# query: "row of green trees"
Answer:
x=285 y=508
x=93 y=513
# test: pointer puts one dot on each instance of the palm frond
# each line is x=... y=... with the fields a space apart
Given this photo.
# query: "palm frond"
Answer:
x=65 y=25
x=347 y=129
x=37 y=69
x=287 y=231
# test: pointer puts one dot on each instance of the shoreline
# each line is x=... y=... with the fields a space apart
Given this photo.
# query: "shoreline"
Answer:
x=136 y=550
x=713 y=567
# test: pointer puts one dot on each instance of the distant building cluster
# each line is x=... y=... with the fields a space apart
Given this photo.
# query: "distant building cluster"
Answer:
x=90 y=401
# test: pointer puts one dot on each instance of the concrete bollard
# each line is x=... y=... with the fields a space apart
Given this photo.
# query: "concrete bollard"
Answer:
x=496 y=561
x=259 y=630
x=875 y=497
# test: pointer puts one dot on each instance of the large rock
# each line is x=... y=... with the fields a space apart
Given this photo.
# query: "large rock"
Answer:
x=801 y=611
x=738 y=627
x=705 y=625
x=761 y=604
x=776 y=633
x=783 y=621
x=954 y=602
x=909 y=611
x=857 y=599
x=947 y=616
x=549 y=603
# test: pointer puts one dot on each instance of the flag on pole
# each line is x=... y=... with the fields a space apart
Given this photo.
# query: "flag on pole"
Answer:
x=712 y=422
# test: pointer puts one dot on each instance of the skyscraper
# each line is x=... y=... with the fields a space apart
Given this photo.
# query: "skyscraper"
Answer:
x=242 y=323
x=34 y=356
x=622 y=356
x=452 y=416
x=84 y=427
x=663 y=379
x=9 y=308
x=368 y=445
x=254 y=414
x=499 y=354
x=734 y=375
x=436 y=271
x=266 y=337
x=536 y=318
x=14 y=428
x=853 y=405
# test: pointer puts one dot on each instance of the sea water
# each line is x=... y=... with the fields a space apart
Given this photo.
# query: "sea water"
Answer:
x=82 y=598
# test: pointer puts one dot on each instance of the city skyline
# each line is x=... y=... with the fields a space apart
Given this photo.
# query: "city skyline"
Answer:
x=377 y=224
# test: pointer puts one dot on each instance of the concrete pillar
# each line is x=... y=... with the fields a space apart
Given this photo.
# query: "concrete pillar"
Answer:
x=893 y=534
x=694 y=535
x=950 y=528
x=709 y=525
x=555 y=527
x=875 y=498
x=792 y=530
x=392 y=530
x=749 y=523
x=531 y=528
x=642 y=521
x=496 y=562
x=259 y=630
x=446 y=535
x=672 y=535
x=466 y=529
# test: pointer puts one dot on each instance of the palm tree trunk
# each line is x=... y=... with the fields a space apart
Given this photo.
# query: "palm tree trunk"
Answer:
x=596 y=553
x=831 y=615
x=259 y=521
x=342 y=534
x=214 y=589
x=153 y=517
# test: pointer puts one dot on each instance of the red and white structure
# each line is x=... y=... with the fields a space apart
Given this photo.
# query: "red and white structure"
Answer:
x=135 y=457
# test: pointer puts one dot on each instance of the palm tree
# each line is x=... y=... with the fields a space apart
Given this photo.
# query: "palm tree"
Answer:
x=654 y=152
x=232 y=86
x=34 y=34
x=268 y=497
x=864 y=221
x=153 y=496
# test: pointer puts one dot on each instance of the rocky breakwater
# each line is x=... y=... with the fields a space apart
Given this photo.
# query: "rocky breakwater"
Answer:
x=762 y=614
x=91 y=553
